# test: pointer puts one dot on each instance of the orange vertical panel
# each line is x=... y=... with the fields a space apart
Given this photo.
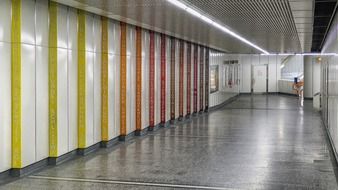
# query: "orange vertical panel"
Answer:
x=163 y=77
x=181 y=75
x=138 y=78
x=123 y=79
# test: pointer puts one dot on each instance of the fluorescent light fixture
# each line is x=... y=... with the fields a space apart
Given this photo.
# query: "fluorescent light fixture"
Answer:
x=313 y=54
x=194 y=12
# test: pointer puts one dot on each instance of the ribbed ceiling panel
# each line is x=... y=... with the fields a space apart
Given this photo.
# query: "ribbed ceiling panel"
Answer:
x=267 y=23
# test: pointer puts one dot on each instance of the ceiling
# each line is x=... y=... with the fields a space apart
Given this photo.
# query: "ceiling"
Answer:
x=278 y=26
x=324 y=9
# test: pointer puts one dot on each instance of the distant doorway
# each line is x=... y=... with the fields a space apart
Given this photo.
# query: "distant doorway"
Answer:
x=259 y=79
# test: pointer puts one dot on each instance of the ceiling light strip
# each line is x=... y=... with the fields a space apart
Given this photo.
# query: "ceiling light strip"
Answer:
x=208 y=20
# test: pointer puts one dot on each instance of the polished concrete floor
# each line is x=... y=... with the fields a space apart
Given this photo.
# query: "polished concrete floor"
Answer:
x=256 y=142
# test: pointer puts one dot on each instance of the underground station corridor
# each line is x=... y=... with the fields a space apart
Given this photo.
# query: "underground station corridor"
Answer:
x=254 y=142
x=168 y=94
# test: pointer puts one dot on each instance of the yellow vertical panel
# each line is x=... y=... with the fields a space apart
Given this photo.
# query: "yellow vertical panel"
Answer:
x=138 y=77
x=81 y=79
x=104 y=80
x=16 y=83
x=123 y=79
x=52 y=67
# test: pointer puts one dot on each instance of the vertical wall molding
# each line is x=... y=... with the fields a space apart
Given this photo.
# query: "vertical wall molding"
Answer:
x=81 y=79
x=181 y=78
x=104 y=80
x=189 y=79
x=163 y=77
x=16 y=84
x=152 y=80
x=53 y=73
x=138 y=79
x=201 y=78
x=206 y=79
x=172 y=79
x=195 y=78
x=123 y=80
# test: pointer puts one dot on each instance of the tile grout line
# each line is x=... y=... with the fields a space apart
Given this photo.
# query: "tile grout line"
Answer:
x=118 y=182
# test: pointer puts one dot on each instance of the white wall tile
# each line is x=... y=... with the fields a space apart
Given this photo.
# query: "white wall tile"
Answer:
x=5 y=108
x=5 y=20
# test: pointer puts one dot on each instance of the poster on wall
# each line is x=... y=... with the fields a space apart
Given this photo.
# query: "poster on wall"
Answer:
x=213 y=78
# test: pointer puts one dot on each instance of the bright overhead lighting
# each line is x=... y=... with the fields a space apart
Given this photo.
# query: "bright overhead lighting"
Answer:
x=193 y=12
x=314 y=54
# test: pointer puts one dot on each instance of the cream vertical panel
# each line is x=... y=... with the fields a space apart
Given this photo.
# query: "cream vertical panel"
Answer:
x=97 y=37
x=72 y=80
x=5 y=85
x=28 y=82
x=185 y=79
x=114 y=78
x=62 y=80
x=145 y=78
x=41 y=36
x=167 y=107
x=157 y=78
x=177 y=78
x=131 y=78
x=89 y=80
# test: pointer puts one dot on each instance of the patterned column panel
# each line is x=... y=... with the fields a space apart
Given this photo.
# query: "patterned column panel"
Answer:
x=172 y=80
x=181 y=80
x=188 y=79
x=152 y=80
x=138 y=79
x=123 y=80
x=53 y=68
x=201 y=78
x=206 y=88
x=81 y=79
x=104 y=80
x=16 y=84
x=163 y=78
x=195 y=77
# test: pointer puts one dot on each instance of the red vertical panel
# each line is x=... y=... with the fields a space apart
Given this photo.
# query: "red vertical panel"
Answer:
x=152 y=80
x=201 y=78
x=172 y=80
x=188 y=78
x=181 y=79
x=138 y=79
x=195 y=78
x=163 y=77
x=207 y=79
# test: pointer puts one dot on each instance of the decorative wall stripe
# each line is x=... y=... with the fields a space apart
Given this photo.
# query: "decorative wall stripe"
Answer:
x=195 y=78
x=206 y=79
x=82 y=79
x=152 y=80
x=163 y=77
x=172 y=79
x=104 y=80
x=16 y=83
x=123 y=80
x=201 y=78
x=181 y=78
x=53 y=92
x=188 y=79
x=138 y=78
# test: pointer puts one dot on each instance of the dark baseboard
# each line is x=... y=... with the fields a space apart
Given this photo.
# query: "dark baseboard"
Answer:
x=20 y=172
x=308 y=98
x=224 y=103
x=88 y=150
x=54 y=161
x=110 y=143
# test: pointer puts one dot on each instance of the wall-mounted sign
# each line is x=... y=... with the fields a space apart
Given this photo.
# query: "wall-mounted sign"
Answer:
x=214 y=78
